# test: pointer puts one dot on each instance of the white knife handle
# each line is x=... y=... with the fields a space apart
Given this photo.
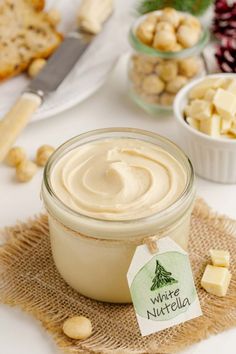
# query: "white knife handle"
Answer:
x=15 y=121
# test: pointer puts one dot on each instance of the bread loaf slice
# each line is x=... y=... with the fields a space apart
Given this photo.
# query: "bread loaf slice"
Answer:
x=25 y=34
x=37 y=4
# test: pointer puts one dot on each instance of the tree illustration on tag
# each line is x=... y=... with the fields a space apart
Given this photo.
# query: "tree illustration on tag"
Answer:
x=162 y=287
x=162 y=277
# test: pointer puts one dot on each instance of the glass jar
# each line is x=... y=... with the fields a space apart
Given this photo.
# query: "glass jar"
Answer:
x=156 y=76
x=93 y=255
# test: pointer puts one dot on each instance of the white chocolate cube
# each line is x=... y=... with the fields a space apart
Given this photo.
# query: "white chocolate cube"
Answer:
x=225 y=103
x=225 y=126
x=199 y=90
x=211 y=126
x=220 y=258
x=187 y=110
x=209 y=95
x=216 y=280
x=194 y=123
x=228 y=136
x=232 y=132
x=200 y=109
x=232 y=87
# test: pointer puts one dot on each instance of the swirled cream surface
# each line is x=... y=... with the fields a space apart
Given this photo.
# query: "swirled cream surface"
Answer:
x=118 y=179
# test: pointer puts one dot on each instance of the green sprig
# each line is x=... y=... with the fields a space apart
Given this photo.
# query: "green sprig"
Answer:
x=197 y=7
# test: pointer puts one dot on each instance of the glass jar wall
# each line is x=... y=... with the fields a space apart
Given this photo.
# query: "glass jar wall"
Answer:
x=93 y=255
x=155 y=76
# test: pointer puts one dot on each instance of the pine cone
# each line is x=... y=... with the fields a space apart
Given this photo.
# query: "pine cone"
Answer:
x=226 y=55
x=224 y=23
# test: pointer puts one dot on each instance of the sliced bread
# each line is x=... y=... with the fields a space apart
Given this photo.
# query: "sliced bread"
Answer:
x=25 y=34
x=37 y=4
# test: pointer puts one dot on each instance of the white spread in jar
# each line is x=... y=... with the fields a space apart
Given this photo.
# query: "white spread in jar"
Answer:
x=118 y=179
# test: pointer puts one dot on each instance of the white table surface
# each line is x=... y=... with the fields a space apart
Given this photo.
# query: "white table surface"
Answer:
x=109 y=107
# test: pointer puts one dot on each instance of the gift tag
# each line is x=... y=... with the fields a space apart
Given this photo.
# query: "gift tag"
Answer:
x=162 y=287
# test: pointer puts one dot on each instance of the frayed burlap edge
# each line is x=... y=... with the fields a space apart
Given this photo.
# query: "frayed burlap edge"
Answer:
x=22 y=237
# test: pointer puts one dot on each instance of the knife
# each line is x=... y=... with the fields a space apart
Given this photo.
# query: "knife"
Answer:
x=47 y=81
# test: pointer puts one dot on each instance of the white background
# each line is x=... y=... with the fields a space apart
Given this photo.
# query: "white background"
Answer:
x=110 y=107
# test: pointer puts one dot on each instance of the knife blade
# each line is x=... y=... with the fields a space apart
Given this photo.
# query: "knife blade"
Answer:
x=60 y=64
x=50 y=77
x=54 y=72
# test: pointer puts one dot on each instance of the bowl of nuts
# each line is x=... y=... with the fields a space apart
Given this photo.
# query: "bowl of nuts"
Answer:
x=205 y=111
x=166 y=55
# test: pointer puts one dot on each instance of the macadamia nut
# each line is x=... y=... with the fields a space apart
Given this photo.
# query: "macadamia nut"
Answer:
x=191 y=21
x=164 y=26
x=187 y=36
x=153 y=99
x=169 y=28
x=147 y=58
x=153 y=60
x=77 y=327
x=151 y=18
x=172 y=16
x=36 y=66
x=167 y=99
x=154 y=76
x=164 y=40
x=136 y=78
x=43 y=154
x=175 y=85
x=15 y=156
x=143 y=65
x=25 y=171
x=152 y=84
x=176 y=47
x=145 y=32
x=167 y=71
x=189 y=66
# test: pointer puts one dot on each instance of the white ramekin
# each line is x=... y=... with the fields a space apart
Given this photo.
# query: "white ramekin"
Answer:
x=212 y=158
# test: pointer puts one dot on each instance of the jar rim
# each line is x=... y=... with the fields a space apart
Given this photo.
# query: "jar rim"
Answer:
x=63 y=149
x=145 y=49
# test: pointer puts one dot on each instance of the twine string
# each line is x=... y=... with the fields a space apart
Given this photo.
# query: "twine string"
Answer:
x=150 y=240
x=30 y=280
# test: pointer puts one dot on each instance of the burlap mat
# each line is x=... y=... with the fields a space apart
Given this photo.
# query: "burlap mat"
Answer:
x=30 y=280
